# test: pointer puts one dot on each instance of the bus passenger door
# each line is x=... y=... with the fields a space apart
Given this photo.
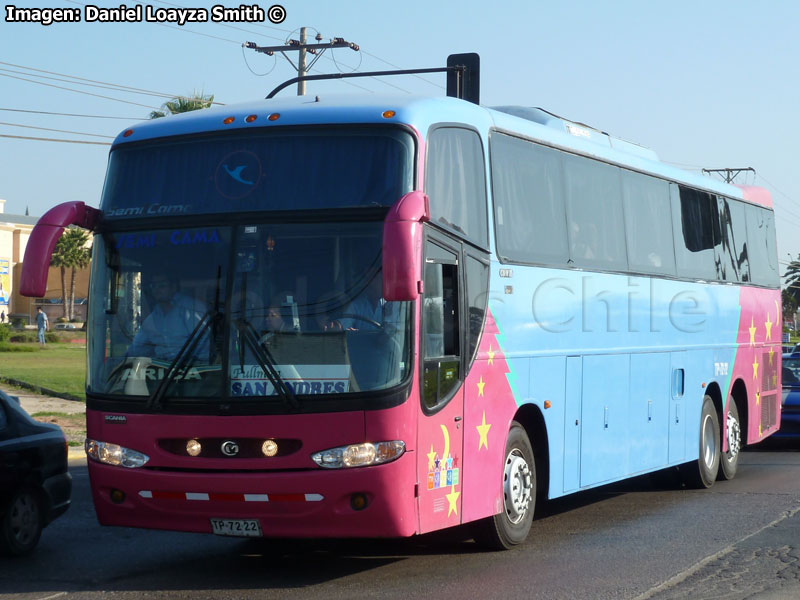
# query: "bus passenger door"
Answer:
x=441 y=427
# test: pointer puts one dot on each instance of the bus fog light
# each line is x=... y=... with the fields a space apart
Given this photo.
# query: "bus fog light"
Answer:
x=193 y=448
x=269 y=448
x=358 y=501
x=359 y=455
x=112 y=454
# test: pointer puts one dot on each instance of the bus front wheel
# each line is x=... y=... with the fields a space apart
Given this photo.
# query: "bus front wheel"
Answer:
x=703 y=472
x=511 y=526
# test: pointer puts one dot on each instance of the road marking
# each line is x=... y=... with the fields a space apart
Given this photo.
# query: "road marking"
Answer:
x=58 y=595
x=684 y=575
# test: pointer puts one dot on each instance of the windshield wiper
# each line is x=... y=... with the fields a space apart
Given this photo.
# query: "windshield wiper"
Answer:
x=266 y=361
x=208 y=321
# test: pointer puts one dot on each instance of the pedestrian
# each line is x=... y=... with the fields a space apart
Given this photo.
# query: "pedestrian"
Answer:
x=2 y=317
x=42 y=324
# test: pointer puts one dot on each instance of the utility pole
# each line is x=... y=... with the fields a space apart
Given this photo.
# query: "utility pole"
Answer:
x=730 y=174
x=303 y=49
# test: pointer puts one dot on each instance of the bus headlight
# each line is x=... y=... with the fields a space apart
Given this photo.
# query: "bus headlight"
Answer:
x=112 y=454
x=359 y=455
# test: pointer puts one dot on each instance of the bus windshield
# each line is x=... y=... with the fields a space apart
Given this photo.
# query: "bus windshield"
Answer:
x=269 y=311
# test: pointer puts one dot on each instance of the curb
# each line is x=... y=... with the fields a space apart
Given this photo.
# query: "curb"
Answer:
x=75 y=453
x=40 y=390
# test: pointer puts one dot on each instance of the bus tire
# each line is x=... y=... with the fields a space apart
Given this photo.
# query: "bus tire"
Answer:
x=729 y=461
x=703 y=472
x=511 y=526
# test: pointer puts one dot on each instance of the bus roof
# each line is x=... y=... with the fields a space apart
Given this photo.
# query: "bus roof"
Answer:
x=421 y=113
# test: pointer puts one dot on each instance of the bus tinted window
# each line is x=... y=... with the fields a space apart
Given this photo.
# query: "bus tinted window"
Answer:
x=647 y=224
x=455 y=182
x=735 y=264
x=761 y=245
x=594 y=214
x=529 y=202
x=259 y=170
x=696 y=228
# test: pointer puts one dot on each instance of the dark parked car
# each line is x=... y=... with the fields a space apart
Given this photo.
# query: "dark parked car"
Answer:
x=35 y=485
x=790 y=403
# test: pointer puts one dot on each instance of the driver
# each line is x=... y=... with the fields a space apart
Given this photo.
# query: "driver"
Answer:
x=369 y=310
x=169 y=324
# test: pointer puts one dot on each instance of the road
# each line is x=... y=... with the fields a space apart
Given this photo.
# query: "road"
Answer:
x=639 y=539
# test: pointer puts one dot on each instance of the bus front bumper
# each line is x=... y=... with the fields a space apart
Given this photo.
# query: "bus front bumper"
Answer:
x=296 y=504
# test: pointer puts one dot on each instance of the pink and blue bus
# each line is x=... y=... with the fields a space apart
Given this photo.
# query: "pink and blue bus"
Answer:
x=383 y=316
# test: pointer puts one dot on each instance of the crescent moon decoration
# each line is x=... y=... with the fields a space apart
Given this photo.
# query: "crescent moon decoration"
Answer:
x=446 y=435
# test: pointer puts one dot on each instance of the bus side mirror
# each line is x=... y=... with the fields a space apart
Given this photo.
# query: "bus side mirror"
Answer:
x=402 y=247
x=44 y=237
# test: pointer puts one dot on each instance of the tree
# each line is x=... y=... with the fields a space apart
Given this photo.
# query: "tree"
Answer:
x=70 y=253
x=791 y=290
x=182 y=104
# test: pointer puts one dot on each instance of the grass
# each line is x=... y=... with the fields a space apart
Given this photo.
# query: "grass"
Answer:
x=59 y=367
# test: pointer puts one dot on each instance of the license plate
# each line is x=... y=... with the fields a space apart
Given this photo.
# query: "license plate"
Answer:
x=236 y=527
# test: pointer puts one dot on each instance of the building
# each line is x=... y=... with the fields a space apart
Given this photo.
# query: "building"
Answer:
x=15 y=230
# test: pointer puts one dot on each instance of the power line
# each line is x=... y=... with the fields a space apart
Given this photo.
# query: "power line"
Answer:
x=76 y=91
x=116 y=86
x=43 y=112
x=111 y=137
x=22 y=137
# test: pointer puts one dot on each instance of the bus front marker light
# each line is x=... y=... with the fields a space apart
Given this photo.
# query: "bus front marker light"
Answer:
x=269 y=448
x=193 y=448
x=117 y=496
x=388 y=114
x=128 y=133
x=274 y=116
x=251 y=118
x=229 y=120
x=359 y=455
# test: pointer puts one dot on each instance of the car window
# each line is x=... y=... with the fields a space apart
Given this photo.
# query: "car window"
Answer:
x=790 y=373
x=3 y=417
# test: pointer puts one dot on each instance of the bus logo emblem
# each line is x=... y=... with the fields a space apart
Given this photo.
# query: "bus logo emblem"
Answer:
x=230 y=448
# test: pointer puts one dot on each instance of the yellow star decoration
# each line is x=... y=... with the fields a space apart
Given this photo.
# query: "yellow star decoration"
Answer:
x=752 y=332
x=483 y=430
x=771 y=354
x=755 y=367
x=760 y=431
x=758 y=398
x=768 y=325
x=452 y=498
x=431 y=459
x=491 y=354
x=481 y=383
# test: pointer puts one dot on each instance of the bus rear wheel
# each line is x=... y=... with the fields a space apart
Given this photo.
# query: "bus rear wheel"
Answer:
x=729 y=462
x=703 y=472
x=510 y=527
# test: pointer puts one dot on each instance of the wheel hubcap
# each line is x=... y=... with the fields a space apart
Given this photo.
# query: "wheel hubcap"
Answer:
x=517 y=486
x=24 y=519
x=709 y=443
x=734 y=437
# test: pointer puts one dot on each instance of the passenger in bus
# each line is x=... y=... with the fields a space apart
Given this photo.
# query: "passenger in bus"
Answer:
x=168 y=326
x=275 y=322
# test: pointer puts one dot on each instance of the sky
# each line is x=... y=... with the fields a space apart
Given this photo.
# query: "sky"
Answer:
x=703 y=83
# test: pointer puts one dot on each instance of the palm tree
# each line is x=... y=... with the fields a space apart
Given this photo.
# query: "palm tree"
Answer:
x=70 y=253
x=182 y=104
x=791 y=290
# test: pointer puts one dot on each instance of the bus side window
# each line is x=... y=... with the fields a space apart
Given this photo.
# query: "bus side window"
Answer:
x=442 y=362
